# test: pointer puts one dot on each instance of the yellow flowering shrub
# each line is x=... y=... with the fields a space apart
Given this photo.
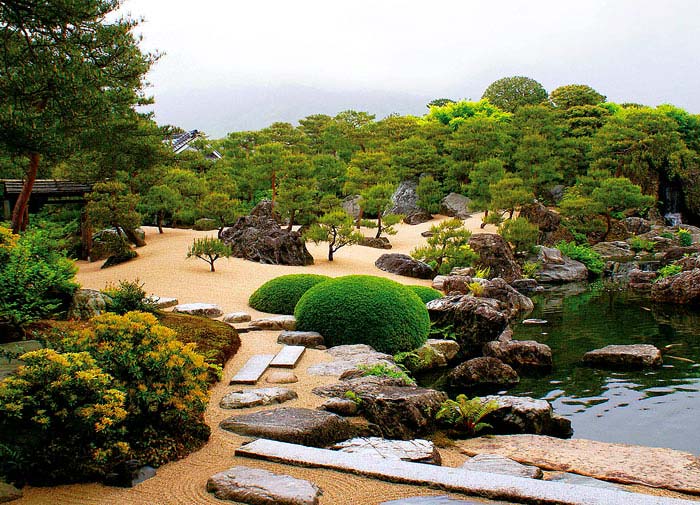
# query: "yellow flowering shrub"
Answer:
x=61 y=419
x=165 y=382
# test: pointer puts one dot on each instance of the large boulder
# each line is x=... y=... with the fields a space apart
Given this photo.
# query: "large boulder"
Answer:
x=682 y=288
x=614 y=251
x=405 y=201
x=474 y=320
x=495 y=253
x=258 y=237
x=242 y=484
x=403 y=264
x=517 y=415
x=555 y=268
x=482 y=375
x=435 y=353
x=244 y=399
x=350 y=357
x=512 y=301
x=522 y=355
x=88 y=303
x=351 y=205
x=641 y=280
x=455 y=205
x=636 y=225
x=546 y=220
x=625 y=357
x=376 y=243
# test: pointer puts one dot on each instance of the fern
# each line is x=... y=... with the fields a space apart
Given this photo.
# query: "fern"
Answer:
x=467 y=414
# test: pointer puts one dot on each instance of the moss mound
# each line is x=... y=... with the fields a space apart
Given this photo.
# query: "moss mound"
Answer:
x=362 y=309
x=425 y=293
x=280 y=295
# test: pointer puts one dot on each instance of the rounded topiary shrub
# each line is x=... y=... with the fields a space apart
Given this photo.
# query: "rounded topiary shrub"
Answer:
x=425 y=293
x=280 y=295
x=362 y=309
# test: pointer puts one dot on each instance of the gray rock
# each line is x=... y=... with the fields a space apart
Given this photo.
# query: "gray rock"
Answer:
x=310 y=427
x=341 y=406
x=494 y=252
x=351 y=205
x=236 y=317
x=405 y=201
x=581 y=480
x=614 y=251
x=482 y=374
x=275 y=323
x=439 y=282
x=129 y=473
x=254 y=397
x=494 y=463
x=522 y=355
x=556 y=269
x=448 y=348
x=641 y=280
x=162 y=302
x=546 y=220
x=516 y=415
x=511 y=300
x=281 y=377
x=455 y=205
x=209 y=310
x=415 y=451
x=9 y=492
x=376 y=243
x=527 y=285
x=261 y=487
x=636 y=225
x=310 y=339
x=88 y=303
x=435 y=353
x=349 y=357
x=682 y=288
x=626 y=357
x=403 y=264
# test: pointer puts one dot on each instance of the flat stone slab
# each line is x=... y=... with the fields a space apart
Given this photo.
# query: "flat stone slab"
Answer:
x=634 y=356
x=236 y=317
x=416 y=451
x=288 y=357
x=253 y=369
x=162 y=302
x=582 y=480
x=255 y=397
x=305 y=338
x=210 y=310
x=621 y=463
x=493 y=463
x=431 y=500
x=488 y=485
x=349 y=357
x=310 y=427
x=275 y=323
x=260 y=487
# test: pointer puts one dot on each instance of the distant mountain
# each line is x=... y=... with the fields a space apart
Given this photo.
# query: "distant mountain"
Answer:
x=218 y=111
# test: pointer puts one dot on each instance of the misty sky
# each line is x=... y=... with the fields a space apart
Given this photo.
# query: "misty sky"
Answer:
x=232 y=65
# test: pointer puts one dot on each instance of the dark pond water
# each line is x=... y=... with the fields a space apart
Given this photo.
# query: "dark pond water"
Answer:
x=658 y=407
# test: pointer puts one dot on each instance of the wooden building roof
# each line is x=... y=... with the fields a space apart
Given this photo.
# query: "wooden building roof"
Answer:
x=50 y=188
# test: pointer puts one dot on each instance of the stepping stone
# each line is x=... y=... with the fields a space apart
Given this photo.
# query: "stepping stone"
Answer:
x=301 y=426
x=281 y=377
x=582 y=480
x=162 y=302
x=275 y=323
x=253 y=369
x=431 y=500
x=305 y=338
x=8 y=492
x=349 y=357
x=625 y=357
x=199 y=309
x=493 y=463
x=236 y=317
x=495 y=486
x=255 y=397
x=253 y=485
x=288 y=357
x=416 y=451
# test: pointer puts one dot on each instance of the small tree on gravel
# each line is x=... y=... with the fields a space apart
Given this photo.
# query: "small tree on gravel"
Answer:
x=209 y=250
x=336 y=228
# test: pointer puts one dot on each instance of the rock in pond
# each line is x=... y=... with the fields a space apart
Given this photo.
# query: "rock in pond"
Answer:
x=641 y=280
x=494 y=463
x=556 y=269
x=403 y=264
x=309 y=339
x=682 y=288
x=625 y=357
x=516 y=415
x=236 y=317
x=314 y=428
x=481 y=375
x=260 y=487
x=254 y=397
x=275 y=323
x=495 y=253
x=522 y=355
x=209 y=310
x=511 y=300
x=415 y=451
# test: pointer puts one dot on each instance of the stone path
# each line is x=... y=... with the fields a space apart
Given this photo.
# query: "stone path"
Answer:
x=288 y=357
x=253 y=369
x=486 y=485
x=252 y=485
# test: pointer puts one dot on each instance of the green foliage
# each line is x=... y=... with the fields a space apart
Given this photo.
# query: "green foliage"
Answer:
x=165 y=382
x=385 y=370
x=481 y=177
x=641 y=244
x=508 y=194
x=205 y=224
x=476 y=288
x=209 y=250
x=447 y=248
x=161 y=200
x=61 y=420
x=336 y=228
x=442 y=332
x=509 y=93
x=584 y=254
x=573 y=95
x=35 y=279
x=466 y=414
x=425 y=293
x=530 y=268
x=455 y=114
x=429 y=192
x=362 y=309
x=281 y=294
x=351 y=395
x=128 y=296
x=668 y=271
x=521 y=233
x=482 y=272
x=112 y=205
x=685 y=237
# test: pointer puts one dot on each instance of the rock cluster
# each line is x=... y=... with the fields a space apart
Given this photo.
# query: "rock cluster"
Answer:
x=496 y=254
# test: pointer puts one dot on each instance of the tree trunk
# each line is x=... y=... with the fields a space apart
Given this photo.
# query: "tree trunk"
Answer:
x=85 y=236
x=359 y=217
x=133 y=238
x=19 y=213
x=160 y=222
x=379 y=226
x=273 y=180
x=330 y=253
x=291 y=220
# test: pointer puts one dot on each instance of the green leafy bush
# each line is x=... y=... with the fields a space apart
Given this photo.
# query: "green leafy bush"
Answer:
x=281 y=294
x=384 y=370
x=530 y=268
x=362 y=309
x=641 y=244
x=61 y=420
x=685 y=237
x=466 y=414
x=521 y=233
x=425 y=293
x=35 y=279
x=584 y=254
x=668 y=271
x=128 y=296
x=165 y=382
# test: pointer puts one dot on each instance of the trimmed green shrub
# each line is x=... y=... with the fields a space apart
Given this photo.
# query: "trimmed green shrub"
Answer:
x=425 y=293
x=521 y=233
x=363 y=309
x=61 y=420
x=128 y=296
x=280 y=295
x=584 y=254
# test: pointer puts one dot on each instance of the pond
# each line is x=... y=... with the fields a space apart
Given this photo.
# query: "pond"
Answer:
x=658 y=407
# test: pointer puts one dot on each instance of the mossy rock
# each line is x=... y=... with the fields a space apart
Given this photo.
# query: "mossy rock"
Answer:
x=363 y=309
x=425 y=293
x=280 y=295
